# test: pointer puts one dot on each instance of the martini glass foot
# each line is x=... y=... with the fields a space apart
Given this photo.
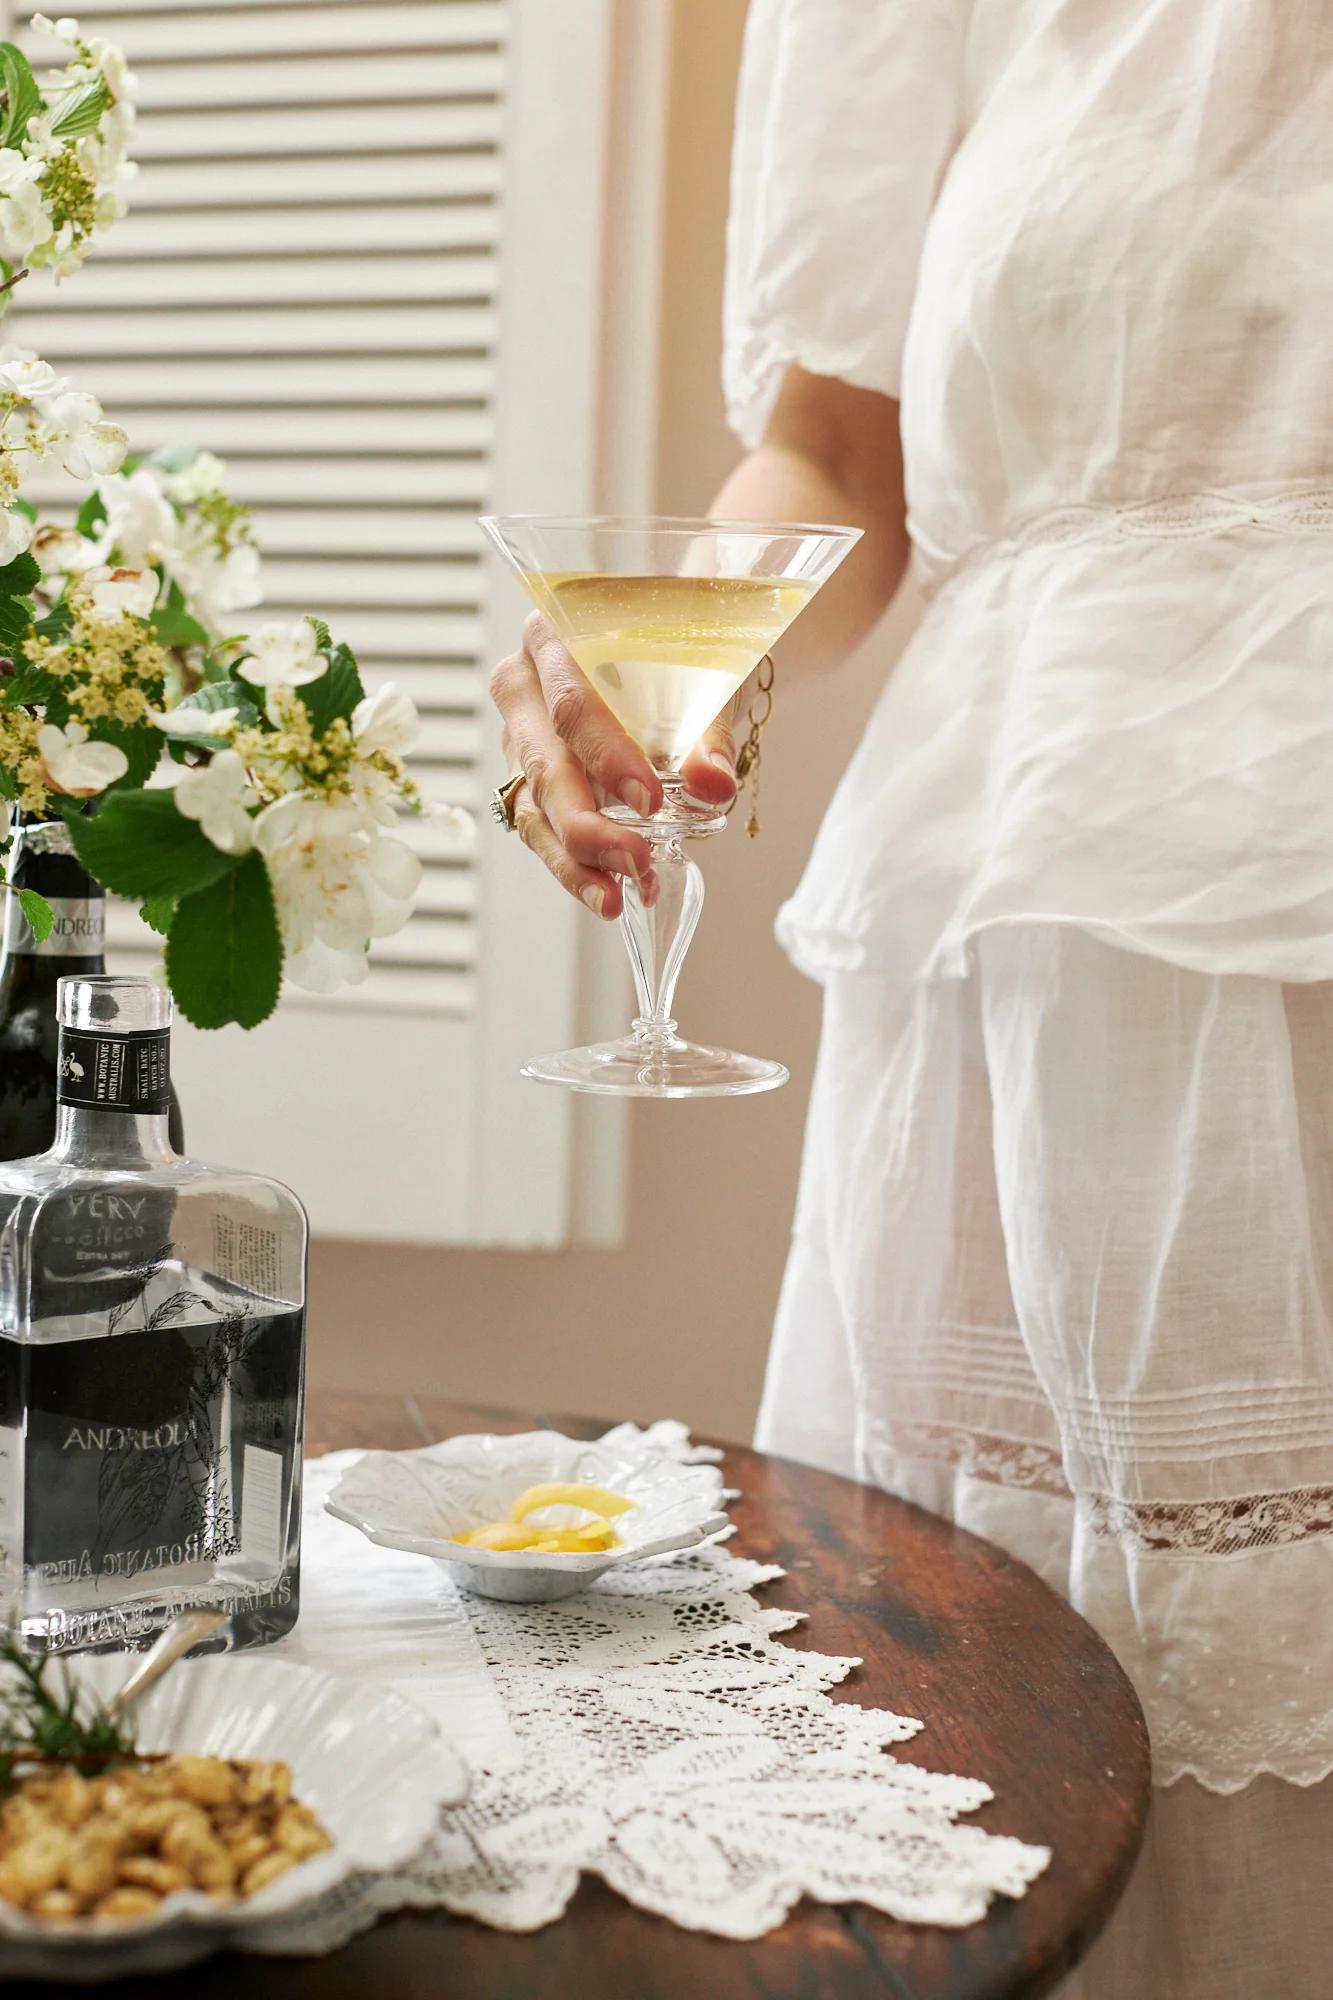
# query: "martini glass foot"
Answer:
x=648 y=1066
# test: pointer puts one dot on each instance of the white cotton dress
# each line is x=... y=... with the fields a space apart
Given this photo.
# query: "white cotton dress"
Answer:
x=1063 y=1257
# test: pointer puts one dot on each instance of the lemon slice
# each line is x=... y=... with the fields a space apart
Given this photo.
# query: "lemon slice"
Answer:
x=593 y=1499
x=500 y=1536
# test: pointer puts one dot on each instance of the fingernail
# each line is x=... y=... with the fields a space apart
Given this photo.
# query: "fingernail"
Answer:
x=594 y=896
x=723 y=762
x=615 y=863
x=637 y=797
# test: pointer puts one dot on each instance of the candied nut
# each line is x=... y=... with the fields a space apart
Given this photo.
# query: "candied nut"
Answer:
x=165 y=1877
x=56 y=1903
x=149 y=1822
x=127 y=1902
x=205 y=1780
x=201 y=1853
x=90 y=1870
x=72 y=1798
x=263 y=1781
x=267 y=1870
x=250 y=1848
x=34 y=1866
x=298 y=1834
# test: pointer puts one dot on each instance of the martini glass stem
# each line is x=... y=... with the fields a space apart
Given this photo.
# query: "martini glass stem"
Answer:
x=657 y=939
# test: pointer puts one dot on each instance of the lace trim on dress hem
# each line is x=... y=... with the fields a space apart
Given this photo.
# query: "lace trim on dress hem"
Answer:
x=1227 y=1763
x=1173 y=516
x=1225 y=1527
x=1216 y=1527
x=1001 y=1461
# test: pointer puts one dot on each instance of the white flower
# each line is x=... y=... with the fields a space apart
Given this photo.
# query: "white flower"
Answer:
x=337 y=883
x=73 y=428
x=193 y=721
x=60 y=551
x=386 y=720
x=214 y=587
x=40 y=142
x=65 y=29
x=199 y=480
x=217 y=794
x=72 y=764
x=109 y=63
x=23 y=374
x=15 y=534
x=141 y=525
x=24 y=216
x=120 y=593
x=320 y=968
x=16 y=168
x=283 y=654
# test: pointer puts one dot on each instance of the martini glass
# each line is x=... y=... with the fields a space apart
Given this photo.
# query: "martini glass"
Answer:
x=666 y=619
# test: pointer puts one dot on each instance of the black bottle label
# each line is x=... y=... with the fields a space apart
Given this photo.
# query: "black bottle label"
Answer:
x=79 y=930
x=115 y=1072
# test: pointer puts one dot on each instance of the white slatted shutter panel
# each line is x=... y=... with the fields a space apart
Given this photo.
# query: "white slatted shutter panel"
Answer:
x=370 y=261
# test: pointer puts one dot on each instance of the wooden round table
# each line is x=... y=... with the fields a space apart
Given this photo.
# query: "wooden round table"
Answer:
x=1012 y=1687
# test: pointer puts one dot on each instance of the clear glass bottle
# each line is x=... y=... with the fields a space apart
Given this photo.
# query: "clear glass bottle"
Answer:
x=152 y=1340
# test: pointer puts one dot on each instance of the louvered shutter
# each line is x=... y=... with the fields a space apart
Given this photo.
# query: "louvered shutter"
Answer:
x=369 y=261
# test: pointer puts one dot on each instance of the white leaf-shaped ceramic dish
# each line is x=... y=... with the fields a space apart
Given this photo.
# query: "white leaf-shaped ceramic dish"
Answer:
x=418 y=1501
x=373 y=1767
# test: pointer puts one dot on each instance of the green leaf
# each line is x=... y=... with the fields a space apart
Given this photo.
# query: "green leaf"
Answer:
x=25 y=686
x=19 y=577
x=41 y=917
x=82 y=111
x=57 y=621
x=24 y=507
x=16 y=621
x=140 y=741
x=159 y=912
x=323 y=637
x=173 y=622
x=336 y=692
x=225 y=694
x=205 y=700
x=224 y=955
x=22 y=98
x=139 y=845
x=91 y=515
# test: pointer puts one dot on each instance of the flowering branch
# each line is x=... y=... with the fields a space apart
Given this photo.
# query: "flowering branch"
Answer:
x=249 y=789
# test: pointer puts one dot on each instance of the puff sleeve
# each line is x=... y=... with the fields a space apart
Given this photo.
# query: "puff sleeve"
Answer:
x=848 y=111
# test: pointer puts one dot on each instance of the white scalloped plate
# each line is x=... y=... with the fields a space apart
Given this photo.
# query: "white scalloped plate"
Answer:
x=372 y=1766
x=417 y=1501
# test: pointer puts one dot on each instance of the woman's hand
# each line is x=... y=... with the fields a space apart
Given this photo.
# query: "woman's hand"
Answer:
x=571 y=750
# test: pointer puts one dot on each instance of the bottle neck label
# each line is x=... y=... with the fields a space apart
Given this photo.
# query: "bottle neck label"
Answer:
x=79 y=930
x=115 y=1072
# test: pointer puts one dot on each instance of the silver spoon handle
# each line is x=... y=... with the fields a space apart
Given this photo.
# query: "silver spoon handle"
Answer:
x=184 y=1632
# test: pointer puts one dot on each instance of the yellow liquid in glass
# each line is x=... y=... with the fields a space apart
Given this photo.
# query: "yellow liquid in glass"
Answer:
x=666 y=653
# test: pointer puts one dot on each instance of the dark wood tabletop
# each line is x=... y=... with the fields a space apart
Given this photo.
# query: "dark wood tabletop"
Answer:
x=1012 y=1686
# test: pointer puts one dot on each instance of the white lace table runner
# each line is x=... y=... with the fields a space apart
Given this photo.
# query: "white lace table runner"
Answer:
x=654 y=1732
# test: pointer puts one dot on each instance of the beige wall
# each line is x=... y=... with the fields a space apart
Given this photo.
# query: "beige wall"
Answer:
x=676 y=1321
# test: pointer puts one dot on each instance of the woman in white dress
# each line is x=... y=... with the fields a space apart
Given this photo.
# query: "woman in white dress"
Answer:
x=1063 y=1259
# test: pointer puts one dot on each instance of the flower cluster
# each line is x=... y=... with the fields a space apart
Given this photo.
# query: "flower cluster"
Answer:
x=63 y=144
x=169 y=513
x=107 y=660
x=43 y=417
x=317 y=795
